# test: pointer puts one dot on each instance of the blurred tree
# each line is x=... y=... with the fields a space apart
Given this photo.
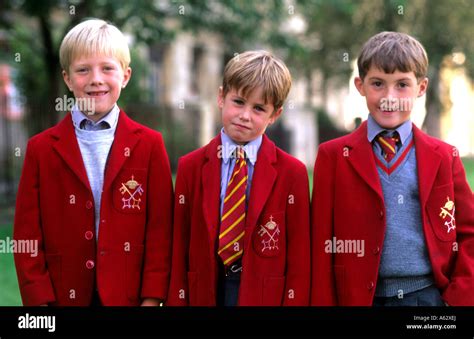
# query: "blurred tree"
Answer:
x=36 y=30
x=337 y=29
x=332 y=37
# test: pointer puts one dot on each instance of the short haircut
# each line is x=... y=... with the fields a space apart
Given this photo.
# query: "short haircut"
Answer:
x=392 y=51
x=249 y=70
x=94 y=37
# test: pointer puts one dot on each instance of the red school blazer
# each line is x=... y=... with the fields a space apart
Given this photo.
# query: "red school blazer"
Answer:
x=54 y=207
x=276 y=259
x=348 y=204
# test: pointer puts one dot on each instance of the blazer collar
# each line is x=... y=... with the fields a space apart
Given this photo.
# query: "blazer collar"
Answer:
x=360 y=156
x=428 y=160
x=359 y=153
x=66 y=145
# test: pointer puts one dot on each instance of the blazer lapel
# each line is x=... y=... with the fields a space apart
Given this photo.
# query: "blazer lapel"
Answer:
x=360 y=156
x=264 y=176
x=427 y=163
x=125 y=140
x=210 y=178
x=68 y=148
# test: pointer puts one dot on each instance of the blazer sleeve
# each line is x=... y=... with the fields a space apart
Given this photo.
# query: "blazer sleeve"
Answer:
x=178 y=291
x=156 y=270
x=323 y=292
x=460 y=290
x=33 y=277
x=298 y=241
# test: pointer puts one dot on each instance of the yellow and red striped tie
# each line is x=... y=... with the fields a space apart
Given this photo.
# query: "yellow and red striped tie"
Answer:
x=232 y=229
x=389 y=145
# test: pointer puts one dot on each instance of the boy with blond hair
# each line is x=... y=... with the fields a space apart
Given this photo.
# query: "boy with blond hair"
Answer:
x=241 y=220
x=96 y=190
x=399 y=194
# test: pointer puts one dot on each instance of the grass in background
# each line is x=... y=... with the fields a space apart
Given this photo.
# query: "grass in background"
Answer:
x=9 y=292
x=469 y=167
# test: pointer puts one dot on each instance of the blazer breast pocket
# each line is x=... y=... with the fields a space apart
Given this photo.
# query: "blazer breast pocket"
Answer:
x=268 y=237
x=130 y=190
x=441 y=212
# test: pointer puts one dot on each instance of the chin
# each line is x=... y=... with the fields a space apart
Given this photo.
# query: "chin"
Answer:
x=390 y=123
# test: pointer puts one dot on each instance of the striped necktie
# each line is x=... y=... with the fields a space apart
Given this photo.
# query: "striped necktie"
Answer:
x=232 y=228
x=389 y=145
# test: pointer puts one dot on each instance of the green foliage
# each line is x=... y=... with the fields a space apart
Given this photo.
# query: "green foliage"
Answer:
x=137 y=89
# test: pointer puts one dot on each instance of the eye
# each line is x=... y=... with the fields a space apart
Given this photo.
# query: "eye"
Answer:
x=81 y=70
x=259 y=108
x=403 y=85
x=238 y=101
x=109 y=68
x=377 y=83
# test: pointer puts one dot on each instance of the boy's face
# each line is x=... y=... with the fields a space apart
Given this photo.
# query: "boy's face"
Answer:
x=244 y=119
x=390 y=97
x=98 y=79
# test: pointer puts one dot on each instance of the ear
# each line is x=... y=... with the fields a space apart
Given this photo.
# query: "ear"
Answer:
x=359 y=84
x=220 y=98
x=67 y=80
x=127 y=74
x=274 y=117
x=422 y=87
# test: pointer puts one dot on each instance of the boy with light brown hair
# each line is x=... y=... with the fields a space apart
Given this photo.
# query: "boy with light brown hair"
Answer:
x=241 y=221
x=395 y=191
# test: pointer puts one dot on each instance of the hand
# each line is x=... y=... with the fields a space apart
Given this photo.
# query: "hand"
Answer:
x=151 y=302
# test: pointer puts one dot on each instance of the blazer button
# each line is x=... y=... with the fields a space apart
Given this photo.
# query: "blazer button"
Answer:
x=370 y=285
x=89 y=235
x=89 y=204
x=381 y=214
x=90 y=264
x=376 y=250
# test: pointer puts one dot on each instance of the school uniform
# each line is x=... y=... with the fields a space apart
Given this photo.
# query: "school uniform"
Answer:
x=413 y=216
x=101 y=240
x=274 y=268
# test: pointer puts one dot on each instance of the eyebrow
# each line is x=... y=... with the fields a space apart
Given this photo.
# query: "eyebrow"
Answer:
x=237 y=96
x=377 y=78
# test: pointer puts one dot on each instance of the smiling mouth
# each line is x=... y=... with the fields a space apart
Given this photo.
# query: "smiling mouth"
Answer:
x=388 y=111
x=97 y=94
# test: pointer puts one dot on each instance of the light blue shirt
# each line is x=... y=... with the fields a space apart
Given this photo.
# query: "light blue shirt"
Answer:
x=95 y=141
x=228 y=162
x=83 y=122
x=374 y=129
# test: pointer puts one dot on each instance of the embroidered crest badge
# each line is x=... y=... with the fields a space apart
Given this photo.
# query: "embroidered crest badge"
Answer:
x=269 y=233
x=131 y=190
x=447 y=212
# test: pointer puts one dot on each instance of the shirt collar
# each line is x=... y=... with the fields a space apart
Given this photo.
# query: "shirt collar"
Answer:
x=374 y=129
x=111 y=118
x=251 y=148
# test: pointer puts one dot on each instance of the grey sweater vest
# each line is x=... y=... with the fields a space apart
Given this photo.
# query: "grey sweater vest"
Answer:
x=405 y=266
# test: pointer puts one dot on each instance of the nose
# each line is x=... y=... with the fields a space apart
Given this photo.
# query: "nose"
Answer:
x=391 y=92
x=96 y=77
x=389 y=97
x=245 y=114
